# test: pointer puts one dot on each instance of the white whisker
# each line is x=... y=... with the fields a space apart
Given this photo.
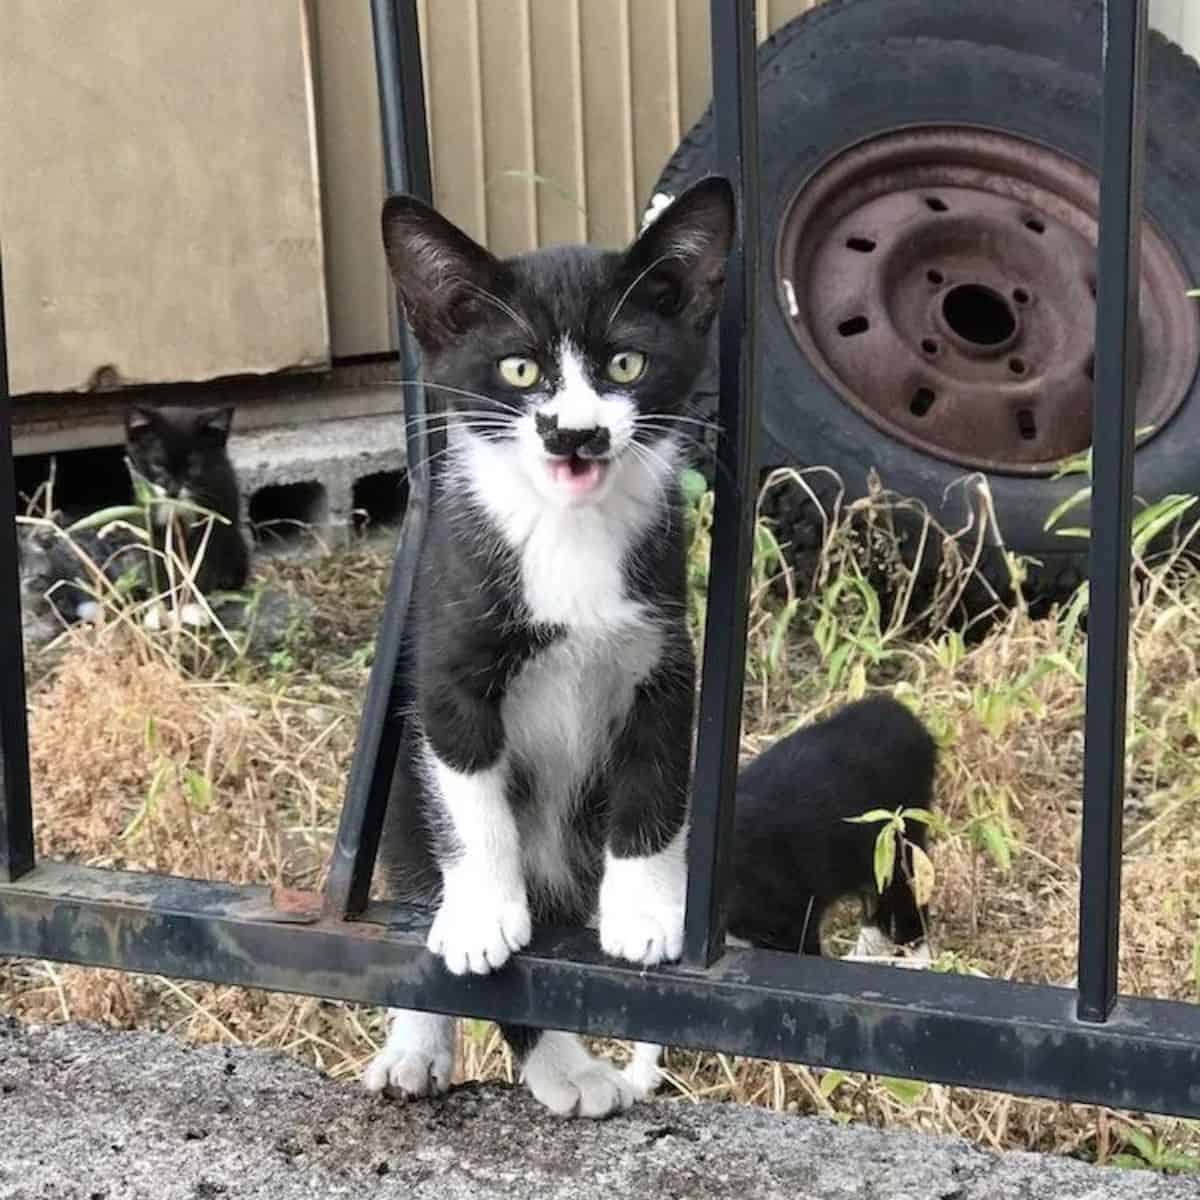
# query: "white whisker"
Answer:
x=612 y=316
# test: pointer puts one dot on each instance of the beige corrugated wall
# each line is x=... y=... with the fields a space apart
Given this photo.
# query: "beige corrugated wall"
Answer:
x=550 y=122
x=551 y=119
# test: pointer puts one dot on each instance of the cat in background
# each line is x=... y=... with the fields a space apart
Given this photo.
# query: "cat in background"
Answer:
x=182 y=455
x=797 y=850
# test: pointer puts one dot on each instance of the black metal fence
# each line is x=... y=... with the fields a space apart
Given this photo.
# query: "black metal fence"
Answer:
x=1088 y=1045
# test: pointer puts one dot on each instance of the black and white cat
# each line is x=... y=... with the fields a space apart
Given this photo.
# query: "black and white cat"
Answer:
x=547 y=773
x=182 y=454
x=796 y=850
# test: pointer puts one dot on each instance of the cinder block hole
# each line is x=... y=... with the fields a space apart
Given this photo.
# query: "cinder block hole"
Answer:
x=85 y=481
x=380 y=499
x=287 y=512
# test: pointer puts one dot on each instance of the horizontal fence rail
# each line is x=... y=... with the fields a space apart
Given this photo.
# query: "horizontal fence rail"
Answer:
x=1087 y=1044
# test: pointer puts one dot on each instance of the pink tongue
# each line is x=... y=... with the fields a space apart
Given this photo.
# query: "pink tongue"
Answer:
x=576 y=481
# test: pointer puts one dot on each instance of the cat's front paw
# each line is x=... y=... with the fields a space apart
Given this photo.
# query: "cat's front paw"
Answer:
x=476 y=935
x=409 y=1074
x=417 y=1059
x=571 y=1082
x=641 y=906
x=647 y=933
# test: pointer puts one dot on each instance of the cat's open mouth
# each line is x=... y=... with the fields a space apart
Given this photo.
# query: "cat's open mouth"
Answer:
x=578 y=476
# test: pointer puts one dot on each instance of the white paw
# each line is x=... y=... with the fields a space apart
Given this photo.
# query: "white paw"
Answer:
x=152 y=618
x=194 y=615
x=642 y=1072
x=919 y=956
x=417 y=1059
x=643 y=934
x=87 y=610
x=642 y=904
x=872 y=943
x=570 y=1082
x=408 y=1074
x=480 y=936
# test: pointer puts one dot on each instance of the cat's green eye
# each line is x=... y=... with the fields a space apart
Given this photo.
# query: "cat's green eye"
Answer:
x=626 y=366
x=519 y=372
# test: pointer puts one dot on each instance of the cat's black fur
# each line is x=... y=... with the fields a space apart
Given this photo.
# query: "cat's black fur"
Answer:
x=478 y=632
x=795 y=852
x=184 y=452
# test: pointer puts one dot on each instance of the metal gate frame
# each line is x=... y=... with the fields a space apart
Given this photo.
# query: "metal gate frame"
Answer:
x=1086 y=1044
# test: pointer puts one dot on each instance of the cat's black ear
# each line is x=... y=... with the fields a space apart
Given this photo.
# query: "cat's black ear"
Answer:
x=678 y=261
x=214 y=424
x=138 y=423
x=442 y=276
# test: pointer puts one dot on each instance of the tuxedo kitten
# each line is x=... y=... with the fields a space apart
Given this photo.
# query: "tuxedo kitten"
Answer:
x=182 y=454
x=546 y=774
x=796 y=850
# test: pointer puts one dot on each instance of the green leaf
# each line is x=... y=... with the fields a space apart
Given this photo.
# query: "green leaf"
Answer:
x=1141 y=1142
x=830 y=1082
x=1128 y=1162
x=856 y=686
x=1194 y=294
x=837 y=662
x=1150 y=522
x=885 y=857
x=1074 y=501
x=779 y=631
x=995 y=841
x=106 y=516
x=907 y=1091
x=693 y=485
x=198 y=789
x=870 y=818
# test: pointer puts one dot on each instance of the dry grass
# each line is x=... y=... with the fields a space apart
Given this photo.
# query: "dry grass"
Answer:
x=236 y=772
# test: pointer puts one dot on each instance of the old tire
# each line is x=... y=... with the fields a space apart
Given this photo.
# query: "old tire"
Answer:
x=815 y=103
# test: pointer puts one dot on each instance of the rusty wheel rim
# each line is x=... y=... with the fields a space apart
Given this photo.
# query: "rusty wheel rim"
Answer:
x=942 y=281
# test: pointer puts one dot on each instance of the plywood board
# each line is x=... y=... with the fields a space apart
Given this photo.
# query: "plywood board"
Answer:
x=159 y=202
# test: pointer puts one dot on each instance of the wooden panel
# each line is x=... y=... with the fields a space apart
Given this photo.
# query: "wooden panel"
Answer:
x=510 y=197
x=780 y=12
x=158 y=198
x=1167 y=15
x=455 y=100
x=557 y=71
x=352 y=178
x=695 y=65
x=608 y=120
x=655 y=91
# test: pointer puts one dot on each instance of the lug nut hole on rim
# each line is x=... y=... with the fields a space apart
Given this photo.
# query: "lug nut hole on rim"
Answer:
x=1034 y=225
x=922 y=401
x=1021 y=296
x=1017 y=366
x=936 y=204
x=1027 y=424
x=929 y=346
x=854 y=326
x=862 y=244
x=978 y=315
x=935 y=277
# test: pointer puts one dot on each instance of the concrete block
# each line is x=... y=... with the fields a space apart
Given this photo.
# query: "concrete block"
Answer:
x=293 y=479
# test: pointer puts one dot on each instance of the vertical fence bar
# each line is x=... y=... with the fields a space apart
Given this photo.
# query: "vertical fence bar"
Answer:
x=735 y=109
x=406 y=169
x=1113 y=439
x=16 y=805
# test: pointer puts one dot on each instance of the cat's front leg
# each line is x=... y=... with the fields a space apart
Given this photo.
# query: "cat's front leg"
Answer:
x=644 y=887
x=483 y=917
